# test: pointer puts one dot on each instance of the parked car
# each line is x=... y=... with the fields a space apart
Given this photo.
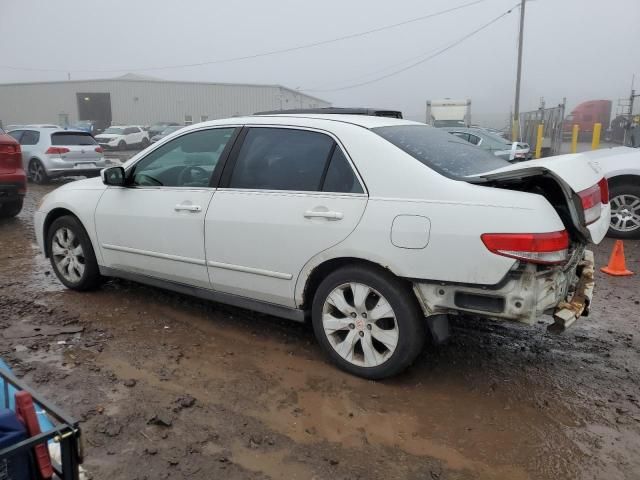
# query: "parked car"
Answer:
x=158 y=128
x=50 y=152
x=89 y=126
x=491 y=142
x=366 y=225
x=13 y=181
x=165 y=132
x=621 y=166
x=123 y=137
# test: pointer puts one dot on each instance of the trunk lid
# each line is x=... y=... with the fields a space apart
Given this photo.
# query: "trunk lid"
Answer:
x=81 y=147
x=574 y=173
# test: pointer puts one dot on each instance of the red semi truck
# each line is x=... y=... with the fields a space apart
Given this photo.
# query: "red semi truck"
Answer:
x=586 y=115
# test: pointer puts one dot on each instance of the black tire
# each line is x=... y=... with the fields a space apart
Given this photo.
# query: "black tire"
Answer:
x=90 y=277
x=145 y=143
x=37 y=173
x=408 y=315
x=10 y=209
x=617 y=190
x=122 y=146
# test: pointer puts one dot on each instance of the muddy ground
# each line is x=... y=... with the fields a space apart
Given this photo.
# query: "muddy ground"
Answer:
x=167 y=386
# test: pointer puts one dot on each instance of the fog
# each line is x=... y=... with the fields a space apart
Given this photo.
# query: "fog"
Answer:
x=578 y=49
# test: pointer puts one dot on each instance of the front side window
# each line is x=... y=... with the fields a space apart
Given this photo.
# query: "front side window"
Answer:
x=30 y=137
x=474 y=139
x=282 y=159
x=186 y=161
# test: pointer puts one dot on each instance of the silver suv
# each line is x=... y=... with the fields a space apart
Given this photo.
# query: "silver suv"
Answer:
x=54 y=152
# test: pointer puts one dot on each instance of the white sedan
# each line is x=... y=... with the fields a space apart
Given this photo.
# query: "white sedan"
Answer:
x=376 y=229
x=621 y=166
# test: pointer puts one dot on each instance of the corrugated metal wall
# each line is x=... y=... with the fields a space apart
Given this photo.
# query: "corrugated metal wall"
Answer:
x=144 y=102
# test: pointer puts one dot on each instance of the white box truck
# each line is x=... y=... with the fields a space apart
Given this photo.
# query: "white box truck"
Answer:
x=449 y=113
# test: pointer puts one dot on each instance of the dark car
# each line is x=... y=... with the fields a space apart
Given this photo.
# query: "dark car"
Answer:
x=13 y=181
x=158 y=128
x=89 y=126
x=165 y=132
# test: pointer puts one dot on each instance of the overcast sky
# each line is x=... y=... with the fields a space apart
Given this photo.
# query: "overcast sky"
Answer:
x=578 y=49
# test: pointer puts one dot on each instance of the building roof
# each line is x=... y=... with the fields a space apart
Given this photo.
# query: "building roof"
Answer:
x=134 y=77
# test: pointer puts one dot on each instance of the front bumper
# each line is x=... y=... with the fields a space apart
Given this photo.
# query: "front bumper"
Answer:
x=523 y=296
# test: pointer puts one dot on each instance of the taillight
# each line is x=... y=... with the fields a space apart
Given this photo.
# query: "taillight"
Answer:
x=604 y=190
x=99 y=149
x=591 y=199
x=9 y=148
x=545 y=248
x=10 y=155
x=57 y=150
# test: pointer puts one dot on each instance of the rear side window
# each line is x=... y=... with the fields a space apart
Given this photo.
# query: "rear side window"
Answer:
x=72 y=138
x=282 y=159
x=16 y=134
x=340 y=177
x=444 y=153
x=30 y=137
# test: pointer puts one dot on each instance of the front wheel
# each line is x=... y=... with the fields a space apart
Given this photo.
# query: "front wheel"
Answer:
x=368 y=322
x=71 y=254
x=625 y=211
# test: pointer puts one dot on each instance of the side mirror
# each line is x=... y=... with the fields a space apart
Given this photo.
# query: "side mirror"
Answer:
x=113 y=176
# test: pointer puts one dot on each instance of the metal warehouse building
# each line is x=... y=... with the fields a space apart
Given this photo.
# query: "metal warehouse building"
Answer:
x=141 y=100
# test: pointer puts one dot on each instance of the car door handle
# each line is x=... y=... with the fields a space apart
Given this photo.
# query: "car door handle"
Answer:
x=323 y=214
x=188 y=208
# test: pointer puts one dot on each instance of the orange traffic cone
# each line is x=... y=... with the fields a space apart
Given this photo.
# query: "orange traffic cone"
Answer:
x=617 y=266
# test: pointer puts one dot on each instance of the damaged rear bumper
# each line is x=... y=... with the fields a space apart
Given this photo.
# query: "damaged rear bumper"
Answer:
x=567 y=312
x=524 y=295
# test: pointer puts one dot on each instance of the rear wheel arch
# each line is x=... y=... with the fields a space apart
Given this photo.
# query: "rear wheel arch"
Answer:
x=322 y=270
x=623 y=180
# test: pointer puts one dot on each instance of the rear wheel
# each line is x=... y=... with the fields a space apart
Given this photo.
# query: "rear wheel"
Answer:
x=71 y=254
x=144 y=143
x=37 y=172
x=625 y=211
x=368 y=322
x=122 y=145
x=10 y=209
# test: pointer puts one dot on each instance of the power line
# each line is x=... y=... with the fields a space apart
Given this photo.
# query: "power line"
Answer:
x=420 y=62
x=262 y=54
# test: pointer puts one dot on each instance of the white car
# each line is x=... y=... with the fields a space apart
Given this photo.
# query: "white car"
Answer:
x=375 y=228
x=123 y=137
x=621 y=166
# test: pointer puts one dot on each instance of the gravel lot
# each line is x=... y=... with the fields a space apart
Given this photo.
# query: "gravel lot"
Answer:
x=168 y=386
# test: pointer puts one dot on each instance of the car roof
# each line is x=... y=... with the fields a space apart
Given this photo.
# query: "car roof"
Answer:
x=309 y=120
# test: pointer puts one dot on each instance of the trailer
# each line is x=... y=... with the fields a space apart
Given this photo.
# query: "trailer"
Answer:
x=449 y=113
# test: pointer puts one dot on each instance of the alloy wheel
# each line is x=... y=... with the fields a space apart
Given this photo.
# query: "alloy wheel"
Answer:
x=360 y=324
x=625 y=213
x=36 y=172
x=68 y=254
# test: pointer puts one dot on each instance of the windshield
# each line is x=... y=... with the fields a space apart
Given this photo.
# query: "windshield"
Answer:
x=441 y=151
x=116 y=130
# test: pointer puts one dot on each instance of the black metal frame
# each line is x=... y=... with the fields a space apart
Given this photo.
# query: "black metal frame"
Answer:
x=66 y=433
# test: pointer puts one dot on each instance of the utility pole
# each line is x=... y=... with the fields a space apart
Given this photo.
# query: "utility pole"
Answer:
x=515 y=128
